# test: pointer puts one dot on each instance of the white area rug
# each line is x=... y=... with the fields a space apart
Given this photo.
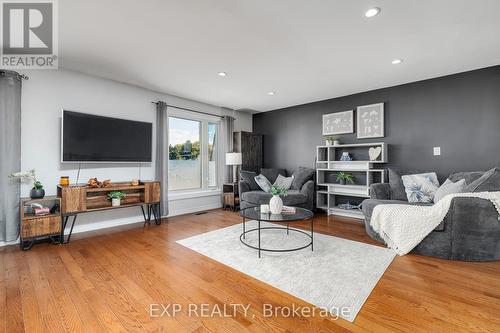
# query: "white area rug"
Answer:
x=339 y=273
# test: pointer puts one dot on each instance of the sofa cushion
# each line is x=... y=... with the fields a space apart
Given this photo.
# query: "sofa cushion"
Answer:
x=284 y=182
x=249 y=178
x=293 y=197
x=489 y=181
x=420 y=187
x=272 y=173
x=301 y=176
x=469 y=176
x=449 y=187
x=263 y=183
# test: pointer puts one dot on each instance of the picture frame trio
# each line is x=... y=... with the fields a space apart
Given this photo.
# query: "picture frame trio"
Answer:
x=369 y=122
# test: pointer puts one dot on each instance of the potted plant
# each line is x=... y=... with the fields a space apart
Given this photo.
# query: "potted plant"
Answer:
x=116 y=197
x=276 y=204
x=344 y=177
x=37 y=192
x=329 y=139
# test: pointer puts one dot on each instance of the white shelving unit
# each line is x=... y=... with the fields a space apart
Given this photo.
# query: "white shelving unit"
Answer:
x=328 y=163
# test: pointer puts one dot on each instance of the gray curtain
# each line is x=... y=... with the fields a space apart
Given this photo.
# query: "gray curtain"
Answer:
x=161 y=162
x=10 y=153
x=227 y=135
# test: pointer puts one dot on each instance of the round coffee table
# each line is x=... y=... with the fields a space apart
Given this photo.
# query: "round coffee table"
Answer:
x=254 y=213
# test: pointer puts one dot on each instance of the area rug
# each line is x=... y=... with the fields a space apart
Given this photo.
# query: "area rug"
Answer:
x=338 y=274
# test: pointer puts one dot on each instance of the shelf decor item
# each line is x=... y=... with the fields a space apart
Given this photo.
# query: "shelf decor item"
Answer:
x=116 y=197
x=37 y=192
x=370 y=121
x=344 y=178
x=374 y=153
x=276 y=203
x=64 y=181
x=330 y=139
x=338 y=123
x=346 y=157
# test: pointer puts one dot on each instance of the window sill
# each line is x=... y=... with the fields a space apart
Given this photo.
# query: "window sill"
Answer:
x=190 y=194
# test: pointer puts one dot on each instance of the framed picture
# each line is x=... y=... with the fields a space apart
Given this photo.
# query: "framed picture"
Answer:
x=370 y=121
x=338 y=123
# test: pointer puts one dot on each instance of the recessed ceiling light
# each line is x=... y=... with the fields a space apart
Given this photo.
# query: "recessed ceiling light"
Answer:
x=271 y=93
x=222 y=74
x=397 y=61
x=372 y=12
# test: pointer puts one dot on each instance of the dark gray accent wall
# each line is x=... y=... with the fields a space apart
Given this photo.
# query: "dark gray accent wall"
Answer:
x=459 y=113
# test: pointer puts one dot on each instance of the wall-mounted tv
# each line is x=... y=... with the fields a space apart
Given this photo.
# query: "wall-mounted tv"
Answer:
x=88 y=138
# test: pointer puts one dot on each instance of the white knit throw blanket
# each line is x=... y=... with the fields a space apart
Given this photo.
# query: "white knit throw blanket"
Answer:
x=404 y=226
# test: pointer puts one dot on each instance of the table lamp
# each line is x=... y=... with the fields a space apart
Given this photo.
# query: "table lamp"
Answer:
x=234 y=159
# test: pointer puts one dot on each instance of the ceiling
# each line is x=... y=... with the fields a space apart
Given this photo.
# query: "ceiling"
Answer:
x=304 y=51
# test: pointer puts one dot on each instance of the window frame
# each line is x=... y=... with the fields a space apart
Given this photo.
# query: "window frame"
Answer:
x=204 y=121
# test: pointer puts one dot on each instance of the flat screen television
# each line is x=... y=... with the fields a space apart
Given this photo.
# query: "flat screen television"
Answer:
x=90 y=138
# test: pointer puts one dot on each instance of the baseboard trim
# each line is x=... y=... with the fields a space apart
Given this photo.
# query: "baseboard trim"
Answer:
x=131 y=220
x=191 y=210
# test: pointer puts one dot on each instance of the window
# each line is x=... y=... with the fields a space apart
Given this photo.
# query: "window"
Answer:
x=193 y=153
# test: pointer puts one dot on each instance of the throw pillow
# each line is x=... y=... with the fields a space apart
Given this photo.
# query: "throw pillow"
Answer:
x=272 y=173
x=301 y=176
x=249 y=178
x=420 y=187
x=284 y=182
x=449 y=187
x=263 y=183
x=489 y=181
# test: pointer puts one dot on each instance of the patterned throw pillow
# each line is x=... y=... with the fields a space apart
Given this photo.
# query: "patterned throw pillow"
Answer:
x=421 y=187
x=284 y=182
x=263 y=183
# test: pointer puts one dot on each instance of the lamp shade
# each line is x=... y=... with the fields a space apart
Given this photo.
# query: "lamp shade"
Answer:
x=233 y=158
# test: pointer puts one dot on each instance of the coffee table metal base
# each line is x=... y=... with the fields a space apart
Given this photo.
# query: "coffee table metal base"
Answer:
x=287 y=229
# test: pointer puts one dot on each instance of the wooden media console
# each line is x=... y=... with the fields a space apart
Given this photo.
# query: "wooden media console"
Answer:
x=80 y=198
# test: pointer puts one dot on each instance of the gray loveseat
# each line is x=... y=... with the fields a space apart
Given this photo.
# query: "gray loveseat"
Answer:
x=470 y=230
x=301 y=194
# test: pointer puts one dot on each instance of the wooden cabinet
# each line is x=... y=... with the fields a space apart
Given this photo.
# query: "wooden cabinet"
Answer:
x=33 y=227
x=230 y=196
x=251 y=149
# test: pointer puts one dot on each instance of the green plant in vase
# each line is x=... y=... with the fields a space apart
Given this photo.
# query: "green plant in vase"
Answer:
x=116 y=197
x=344 y=178
x=331 y=140
x=37 y=192
x=276 y=203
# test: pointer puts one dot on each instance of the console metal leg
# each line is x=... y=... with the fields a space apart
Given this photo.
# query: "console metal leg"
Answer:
x=70 y=231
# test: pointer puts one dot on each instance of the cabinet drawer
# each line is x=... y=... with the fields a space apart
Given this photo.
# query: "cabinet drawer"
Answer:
x=41 y=226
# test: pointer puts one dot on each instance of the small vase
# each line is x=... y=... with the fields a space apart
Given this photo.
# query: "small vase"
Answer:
x=336 y=142
x=342 y=181
x=328 y=142
x=276 y=205
x=37 y=194
x=115 y=202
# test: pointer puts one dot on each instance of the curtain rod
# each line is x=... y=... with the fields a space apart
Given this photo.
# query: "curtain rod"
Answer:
x=191 y=110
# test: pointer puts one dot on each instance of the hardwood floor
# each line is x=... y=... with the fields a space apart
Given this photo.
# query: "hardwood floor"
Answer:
x=106 y=280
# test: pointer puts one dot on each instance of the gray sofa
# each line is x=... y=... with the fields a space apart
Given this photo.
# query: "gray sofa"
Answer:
x=470 y=230
x=301 y=194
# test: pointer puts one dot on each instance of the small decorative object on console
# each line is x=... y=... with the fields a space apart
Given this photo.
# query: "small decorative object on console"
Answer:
x=134 y=182
x=42 y=211
x=116 y=197
x=95 y=183
x=64 y=181
x=330 y=140
x=349 y=206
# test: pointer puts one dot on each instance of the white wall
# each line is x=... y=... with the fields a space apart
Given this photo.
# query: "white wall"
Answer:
x=47 y=92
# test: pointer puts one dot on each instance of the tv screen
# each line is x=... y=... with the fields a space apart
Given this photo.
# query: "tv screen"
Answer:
x=90 y=138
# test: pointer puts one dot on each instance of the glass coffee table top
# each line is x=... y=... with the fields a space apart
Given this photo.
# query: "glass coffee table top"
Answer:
x=254 y=213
